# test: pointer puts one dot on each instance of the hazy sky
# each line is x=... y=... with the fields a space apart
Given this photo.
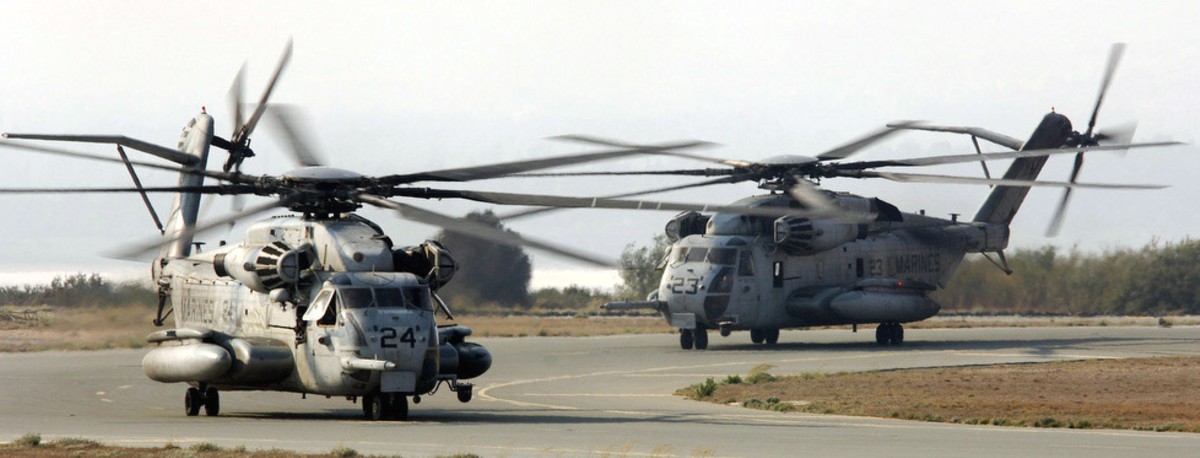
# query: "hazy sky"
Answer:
x=410 y=86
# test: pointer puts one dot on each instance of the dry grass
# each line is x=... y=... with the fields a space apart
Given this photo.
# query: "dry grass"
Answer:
x=81 y=328
x=1156 y=394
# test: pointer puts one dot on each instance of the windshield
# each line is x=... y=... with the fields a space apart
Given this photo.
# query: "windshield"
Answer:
x=413 y=298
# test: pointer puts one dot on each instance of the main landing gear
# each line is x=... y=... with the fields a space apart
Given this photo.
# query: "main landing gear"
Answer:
x=889 y=333
x=697 y=338
x=203 y=396
x=385 y=406
x=767 y=336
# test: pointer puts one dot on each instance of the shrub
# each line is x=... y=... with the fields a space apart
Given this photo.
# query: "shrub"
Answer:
x=28 y=440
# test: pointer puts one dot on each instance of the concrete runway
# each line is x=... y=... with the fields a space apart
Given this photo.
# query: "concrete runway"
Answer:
x=599 y=396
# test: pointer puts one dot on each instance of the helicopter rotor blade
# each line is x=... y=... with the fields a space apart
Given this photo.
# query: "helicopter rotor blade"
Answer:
x=140 y=250
x=541 y=200
x=597 y=141
x=173 y=155
x=504 y=169
x=237 y=178
x=266 y=95
x=480 y=230
x=288 y=117
x=806 y=193
x=854 y=146
x=950 y=179
x=684 y=172
x=974 y=157
x=723 y=180
x=1110 y=68
x=234 y=98
x=219 y=189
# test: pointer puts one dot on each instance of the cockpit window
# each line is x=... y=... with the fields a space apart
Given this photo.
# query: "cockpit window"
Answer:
x=745 y=264
x=356 y=298
x=722 y=256
x=695 y=254
x=389 y=297
x=413 y=298
x=418 y=298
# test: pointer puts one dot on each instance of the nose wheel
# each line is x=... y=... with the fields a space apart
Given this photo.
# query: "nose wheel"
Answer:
x=889 y=333
x=385 y=406
x=693 y=338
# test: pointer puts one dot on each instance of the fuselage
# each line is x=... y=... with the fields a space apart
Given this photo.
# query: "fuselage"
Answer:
x=740 y=275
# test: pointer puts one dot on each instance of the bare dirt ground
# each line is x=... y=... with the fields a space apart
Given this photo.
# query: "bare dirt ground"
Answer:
x=1155 y=394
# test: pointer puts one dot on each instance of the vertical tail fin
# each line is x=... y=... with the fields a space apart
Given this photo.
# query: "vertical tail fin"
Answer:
x=194 y=141
x=1004 y=201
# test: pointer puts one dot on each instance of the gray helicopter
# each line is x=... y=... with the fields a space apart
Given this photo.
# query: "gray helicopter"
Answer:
x=321 y=301
x=840 y=258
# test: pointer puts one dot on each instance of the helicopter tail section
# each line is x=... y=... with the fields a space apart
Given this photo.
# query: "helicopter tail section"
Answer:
x=194 y=141
x=1004 y=201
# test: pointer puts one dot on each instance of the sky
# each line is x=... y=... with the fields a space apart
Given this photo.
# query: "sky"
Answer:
x=391 y=87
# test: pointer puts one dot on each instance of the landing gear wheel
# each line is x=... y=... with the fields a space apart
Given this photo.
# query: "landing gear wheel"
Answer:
x=889 y=333
x=464 y=392
x=756 y=336
x=192 y=401
x=771 y=336
x=398 y=407
x=726 y=330
x=212 y=402
x=701 y=338
x=897 y=333
x=374 y=406
x=686 y=339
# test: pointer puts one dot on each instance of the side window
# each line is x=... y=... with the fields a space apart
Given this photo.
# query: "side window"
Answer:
x=745 y=264
x=317 y=308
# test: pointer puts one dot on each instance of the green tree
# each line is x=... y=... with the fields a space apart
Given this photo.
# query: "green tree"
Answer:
x=487 y=271
x=639 y=268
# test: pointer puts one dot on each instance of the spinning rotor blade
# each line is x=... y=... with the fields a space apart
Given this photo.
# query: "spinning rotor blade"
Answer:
x=480 y=230
x=169 y=154
x=220 y=189
x=725 y=180
x=505 y=169
x=503 y=198
x=287 y=116
x=806 y=193
x=234 y=98
x=138 y=251
x=927 y=178
x=684 y=172
x=854 y=146
x=994 y=137
x=961 y=158
x=597 y=141
x=266 y=95
x=1114 y=58
x=236 y=178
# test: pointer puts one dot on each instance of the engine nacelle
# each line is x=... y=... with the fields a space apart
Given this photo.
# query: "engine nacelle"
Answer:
x=685 y=224
x=803 y=236
x=459 y=358
x=263 y=268
x=429 y=260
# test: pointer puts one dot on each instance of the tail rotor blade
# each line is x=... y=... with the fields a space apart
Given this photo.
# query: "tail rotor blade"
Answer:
x=292 y=125
x=1061 y=211
x=1114 y=58
x=262 y=101
x=235 y=102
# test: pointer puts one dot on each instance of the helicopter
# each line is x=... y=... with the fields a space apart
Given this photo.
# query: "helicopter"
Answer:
x=844 y=259
x=320 y=301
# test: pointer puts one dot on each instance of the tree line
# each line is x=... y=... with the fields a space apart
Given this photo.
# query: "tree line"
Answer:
x=79 y=290
x=1157 y=279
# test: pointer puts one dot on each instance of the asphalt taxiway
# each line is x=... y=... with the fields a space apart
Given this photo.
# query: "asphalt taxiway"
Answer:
x=595 y=396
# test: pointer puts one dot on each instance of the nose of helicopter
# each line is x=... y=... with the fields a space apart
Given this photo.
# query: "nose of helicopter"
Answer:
x=696 y=292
